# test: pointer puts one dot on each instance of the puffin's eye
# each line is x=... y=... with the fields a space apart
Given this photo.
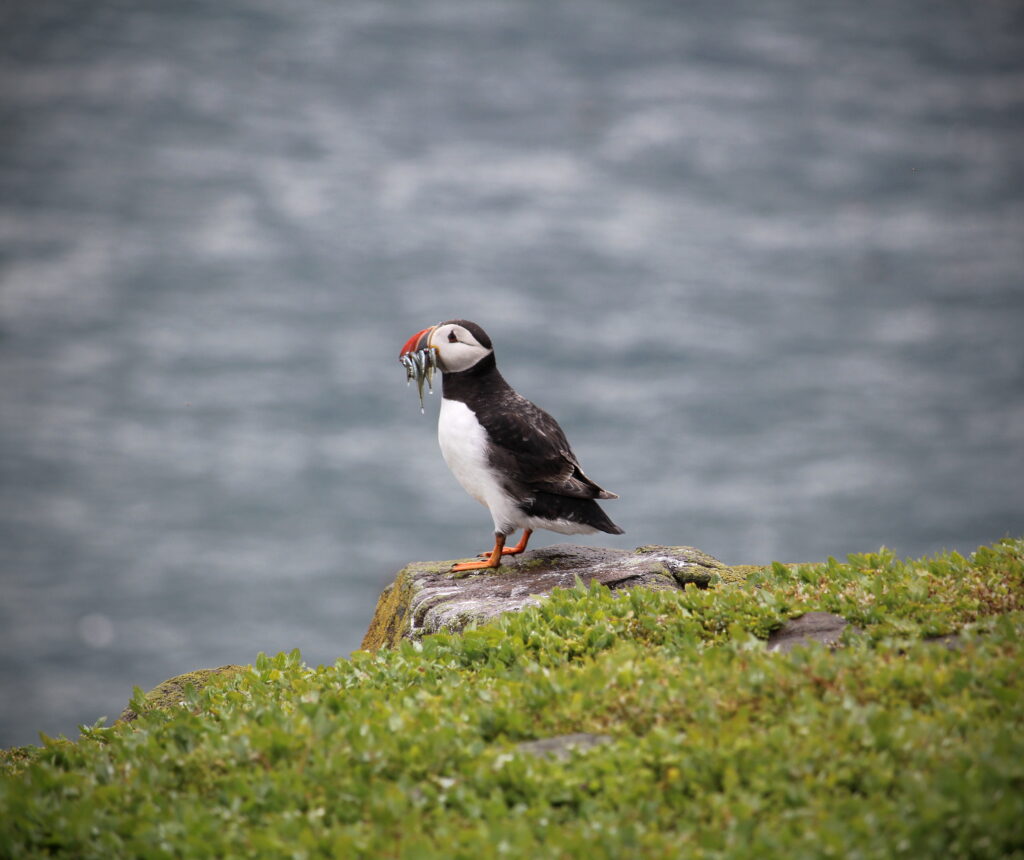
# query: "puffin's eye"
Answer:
x=452 y=338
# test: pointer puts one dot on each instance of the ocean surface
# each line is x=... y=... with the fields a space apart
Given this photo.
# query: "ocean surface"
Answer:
x=764 y=261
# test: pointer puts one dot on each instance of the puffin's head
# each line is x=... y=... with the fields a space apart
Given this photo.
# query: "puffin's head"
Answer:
x=460 y=344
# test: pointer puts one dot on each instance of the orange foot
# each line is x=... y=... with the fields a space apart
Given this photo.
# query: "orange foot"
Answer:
x=493 y=558
x=473 y=565
x=513 y=550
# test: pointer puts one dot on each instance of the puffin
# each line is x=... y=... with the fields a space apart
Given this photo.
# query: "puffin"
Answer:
x=507 y=453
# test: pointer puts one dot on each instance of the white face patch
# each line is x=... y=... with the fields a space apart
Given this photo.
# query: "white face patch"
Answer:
x=457 y=348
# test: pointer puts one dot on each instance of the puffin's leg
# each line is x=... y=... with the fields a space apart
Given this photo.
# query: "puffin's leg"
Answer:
x=514 y=550
x=521 y=546
x=494 y=560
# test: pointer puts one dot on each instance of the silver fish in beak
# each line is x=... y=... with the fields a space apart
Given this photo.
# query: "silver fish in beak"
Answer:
x=420 y=361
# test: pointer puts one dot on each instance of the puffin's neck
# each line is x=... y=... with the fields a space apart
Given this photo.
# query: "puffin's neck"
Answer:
x=477 y=381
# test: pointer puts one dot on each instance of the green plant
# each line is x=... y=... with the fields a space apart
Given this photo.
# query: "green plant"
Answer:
x=888 y=747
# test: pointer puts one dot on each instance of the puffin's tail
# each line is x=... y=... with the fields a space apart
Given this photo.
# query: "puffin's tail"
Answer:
x=586 y=512
x=607 y=525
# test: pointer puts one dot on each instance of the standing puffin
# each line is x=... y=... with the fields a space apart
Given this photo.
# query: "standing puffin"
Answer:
x=507 y=453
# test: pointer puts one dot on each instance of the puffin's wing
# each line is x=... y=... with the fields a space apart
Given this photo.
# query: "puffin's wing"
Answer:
x=528 y=445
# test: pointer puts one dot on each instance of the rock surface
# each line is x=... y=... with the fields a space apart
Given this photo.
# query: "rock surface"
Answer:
x=426 y=598
x=949 y=641
x=561 y=747
x=823 y=627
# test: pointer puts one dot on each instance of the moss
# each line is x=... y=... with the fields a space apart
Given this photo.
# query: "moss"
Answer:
x=171 y=693
x=531 y=564
x=394 y=606
x=389 y=614
x=741 y=572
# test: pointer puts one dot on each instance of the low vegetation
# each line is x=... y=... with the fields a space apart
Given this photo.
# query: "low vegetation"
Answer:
x=897 y=744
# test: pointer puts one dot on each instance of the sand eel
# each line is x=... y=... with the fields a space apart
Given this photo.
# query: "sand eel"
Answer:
x=507 y=453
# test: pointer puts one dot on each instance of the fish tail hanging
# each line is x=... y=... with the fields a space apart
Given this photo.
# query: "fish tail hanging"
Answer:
x=431 y=367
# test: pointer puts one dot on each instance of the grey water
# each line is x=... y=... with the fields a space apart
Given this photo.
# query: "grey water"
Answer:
x=762 y=260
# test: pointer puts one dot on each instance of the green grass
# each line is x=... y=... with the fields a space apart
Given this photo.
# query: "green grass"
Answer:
x=889 y=747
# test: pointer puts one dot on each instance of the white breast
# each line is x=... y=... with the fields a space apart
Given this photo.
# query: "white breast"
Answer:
x=464 y=447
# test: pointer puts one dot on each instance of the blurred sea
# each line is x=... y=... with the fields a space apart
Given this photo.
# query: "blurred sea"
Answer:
x=764 y=261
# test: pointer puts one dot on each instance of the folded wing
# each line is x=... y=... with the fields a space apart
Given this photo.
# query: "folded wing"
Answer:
x=530 y=447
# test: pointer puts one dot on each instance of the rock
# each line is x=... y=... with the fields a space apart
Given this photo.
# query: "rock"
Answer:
x=561 y=746
x=823 y=627
x=949 y=641
x=426 y=598
x=170 y=693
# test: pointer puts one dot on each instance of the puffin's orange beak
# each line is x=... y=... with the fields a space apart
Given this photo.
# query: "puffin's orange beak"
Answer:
x=417 y=341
